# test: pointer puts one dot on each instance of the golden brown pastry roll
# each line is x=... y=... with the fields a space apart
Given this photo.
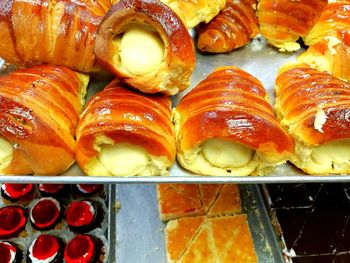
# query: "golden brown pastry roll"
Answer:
x=329 y=41
x=39 y=111
x=147 y=45
x=282 y=22
x=125 y=133
x=334 y=18
x=314 y=106
x=54 y=32
x=232 y=28
x=193 y=12
x=331 y=55
x=226 y=126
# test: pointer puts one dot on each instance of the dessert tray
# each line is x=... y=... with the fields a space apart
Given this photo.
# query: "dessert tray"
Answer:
x=101 y=229
x=256 y=58
x=140 y=232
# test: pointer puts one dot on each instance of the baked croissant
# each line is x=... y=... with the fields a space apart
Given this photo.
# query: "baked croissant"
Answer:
x=54 y=32
x=314 y=106
x=334 y=18
x=232 y=28
x=225 y=126
x=282 y=22
x=193 y=12
x=331 y=55
x=147 y=45
x=329 y=41
x=126 y=133
x=39 y=110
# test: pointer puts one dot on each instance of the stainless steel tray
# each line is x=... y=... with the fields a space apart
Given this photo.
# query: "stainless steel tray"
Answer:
x=258 y=59
x=140 y=233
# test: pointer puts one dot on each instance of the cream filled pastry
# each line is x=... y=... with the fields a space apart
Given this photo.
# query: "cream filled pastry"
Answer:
x=39 y=111
x=314 y=107
x=125 y=133
x=283 y=22
x=225 y=126
x=146 y=44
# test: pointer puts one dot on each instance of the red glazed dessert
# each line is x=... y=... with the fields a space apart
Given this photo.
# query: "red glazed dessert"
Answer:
x=52 y=189
x=46 y=249
x=88 y=189
x=45 y=213
x=82 y=216
x=82 y=249
x=10 y=253
x=15 y=192
x=12 y=221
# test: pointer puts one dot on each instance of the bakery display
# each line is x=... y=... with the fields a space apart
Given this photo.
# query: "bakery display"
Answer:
x=60 y=32
x=146 y=44
x=118 y=125
x=17 y=192
x=193 y=12
x=39 y=110
x=83 y=249
x=45 y=213
x=13 y=219
x=329 y=41
x=232 y=28
x=180 y=200
x=10 y=253
x=313 y=106
x=46 y=248
x=226 y=126
x=283 y=22
x=83 y=216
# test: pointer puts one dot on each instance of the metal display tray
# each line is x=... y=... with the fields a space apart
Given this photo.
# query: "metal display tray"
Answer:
x=256 y=58
x=140 y=233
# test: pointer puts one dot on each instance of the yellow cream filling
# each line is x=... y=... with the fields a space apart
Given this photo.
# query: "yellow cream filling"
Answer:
x=223 y=154
x=123 y=159
x=141 y=50
x=332 y=155
x=6 y=153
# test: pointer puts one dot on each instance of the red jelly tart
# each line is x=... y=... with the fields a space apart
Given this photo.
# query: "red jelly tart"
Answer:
x=88 y=189
x=10 y=253
x=45 y=213
x=51 y=189
x=82 y=249
x=12 y=221
x=81 y=216
x=15 y=192
x=46 y=249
